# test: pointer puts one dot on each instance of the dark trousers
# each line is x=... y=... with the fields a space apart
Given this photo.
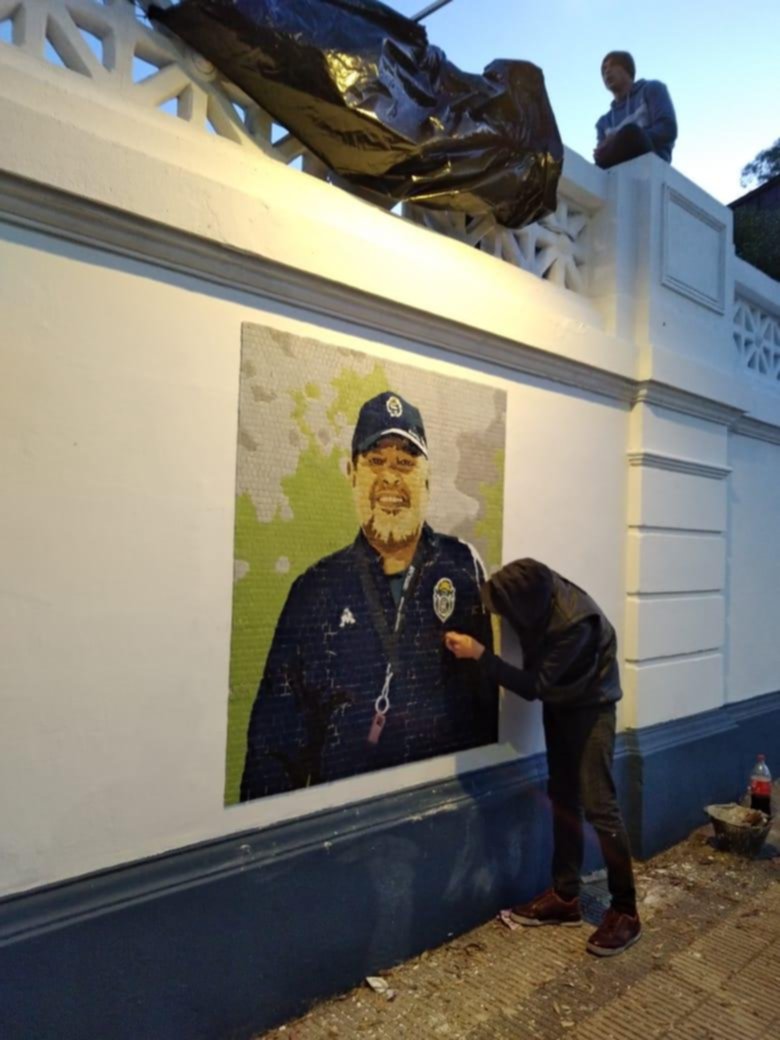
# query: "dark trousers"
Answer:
x=628 y=143
x=580 y=749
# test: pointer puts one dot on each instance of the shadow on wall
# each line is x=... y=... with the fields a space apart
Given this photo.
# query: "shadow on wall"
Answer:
x=630 y=782
x=492 y=847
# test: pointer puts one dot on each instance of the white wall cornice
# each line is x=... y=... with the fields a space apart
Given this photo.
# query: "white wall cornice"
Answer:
x=51 y=211
x=675 y=400
x=675 y=464
x=77 y=219
x=759 y=431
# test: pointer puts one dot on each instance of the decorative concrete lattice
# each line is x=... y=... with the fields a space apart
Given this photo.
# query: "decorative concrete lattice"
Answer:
x=757 y=338
x=553 y=248
x=113 y=44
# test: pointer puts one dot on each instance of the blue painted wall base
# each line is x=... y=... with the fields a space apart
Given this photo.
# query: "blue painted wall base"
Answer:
x=228 y=938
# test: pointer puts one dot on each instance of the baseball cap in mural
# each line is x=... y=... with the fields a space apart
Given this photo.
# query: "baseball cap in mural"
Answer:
x=387 y=414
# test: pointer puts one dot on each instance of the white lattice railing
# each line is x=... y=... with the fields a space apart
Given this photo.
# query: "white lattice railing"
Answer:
x=112 y=44
x=554 y=248
x=757 y=339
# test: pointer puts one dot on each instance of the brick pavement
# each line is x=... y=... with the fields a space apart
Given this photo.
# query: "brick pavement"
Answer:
x=707 y=968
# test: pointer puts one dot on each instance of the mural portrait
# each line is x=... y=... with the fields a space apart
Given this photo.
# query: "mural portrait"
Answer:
x=368 y=495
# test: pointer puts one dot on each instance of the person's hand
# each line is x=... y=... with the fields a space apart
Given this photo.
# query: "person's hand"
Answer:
x=463 y=646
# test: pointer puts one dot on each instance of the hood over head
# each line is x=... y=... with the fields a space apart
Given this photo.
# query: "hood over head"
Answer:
x=521 y=592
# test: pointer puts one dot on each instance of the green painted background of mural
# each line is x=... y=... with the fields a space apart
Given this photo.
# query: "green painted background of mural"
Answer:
x=260 y=591
x=259 y=596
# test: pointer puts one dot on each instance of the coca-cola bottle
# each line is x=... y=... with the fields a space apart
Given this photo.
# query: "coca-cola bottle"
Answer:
x=761 y=787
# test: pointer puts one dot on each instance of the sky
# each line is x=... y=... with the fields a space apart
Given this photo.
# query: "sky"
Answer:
x=719 y=59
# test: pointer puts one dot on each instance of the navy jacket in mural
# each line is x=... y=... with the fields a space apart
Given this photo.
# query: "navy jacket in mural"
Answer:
x=329 y=660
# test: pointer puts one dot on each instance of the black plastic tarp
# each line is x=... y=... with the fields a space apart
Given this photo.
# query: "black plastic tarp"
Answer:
x=360 y=86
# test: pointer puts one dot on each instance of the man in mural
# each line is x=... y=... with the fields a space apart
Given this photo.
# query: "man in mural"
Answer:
x=358 y=677
x=570 y=665
x=641 y=118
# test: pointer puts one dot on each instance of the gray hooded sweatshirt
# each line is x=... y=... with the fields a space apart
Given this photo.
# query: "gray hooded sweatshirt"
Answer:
x=569 y=646
x=649 y=106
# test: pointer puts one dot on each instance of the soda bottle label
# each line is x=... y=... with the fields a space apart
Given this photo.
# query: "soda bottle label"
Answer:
x=762 y=788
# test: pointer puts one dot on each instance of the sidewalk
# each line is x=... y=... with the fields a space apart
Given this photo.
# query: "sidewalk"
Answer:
x=706 y=968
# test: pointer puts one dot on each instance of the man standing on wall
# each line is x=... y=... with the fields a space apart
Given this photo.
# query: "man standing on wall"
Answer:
x=641 y=119
x=358 y=677
x=570 y=665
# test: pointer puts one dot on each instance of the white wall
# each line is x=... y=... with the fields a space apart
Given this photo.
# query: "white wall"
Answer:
x=642 y=442
x=119 y=426
x=753 y=570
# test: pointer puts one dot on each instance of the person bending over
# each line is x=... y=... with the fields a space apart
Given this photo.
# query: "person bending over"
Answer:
x=570 y=665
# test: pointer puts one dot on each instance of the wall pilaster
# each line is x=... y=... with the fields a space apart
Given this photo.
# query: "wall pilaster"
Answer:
x=675 y=565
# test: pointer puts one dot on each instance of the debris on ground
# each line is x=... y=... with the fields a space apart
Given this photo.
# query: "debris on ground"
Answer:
x=380 y=985
x=505 y=917
x=738 y=828
x=706 y=912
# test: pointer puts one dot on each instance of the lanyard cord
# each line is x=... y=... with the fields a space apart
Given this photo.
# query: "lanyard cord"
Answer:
x=388 y=636
x=382 y=703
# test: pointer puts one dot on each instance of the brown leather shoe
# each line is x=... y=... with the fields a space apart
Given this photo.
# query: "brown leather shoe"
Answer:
x=615 y=933
x=548 y=908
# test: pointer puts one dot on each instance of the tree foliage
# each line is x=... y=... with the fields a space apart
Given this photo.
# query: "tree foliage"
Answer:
x=757 y=238
x=763 y=167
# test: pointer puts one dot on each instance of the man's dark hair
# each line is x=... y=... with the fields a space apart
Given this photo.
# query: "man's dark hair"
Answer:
x=622 y=58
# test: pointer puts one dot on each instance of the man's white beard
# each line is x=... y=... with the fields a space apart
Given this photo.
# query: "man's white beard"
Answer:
x=389 y=531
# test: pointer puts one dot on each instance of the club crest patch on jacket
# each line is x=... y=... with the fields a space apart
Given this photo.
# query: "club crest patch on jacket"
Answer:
x=443 y=599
